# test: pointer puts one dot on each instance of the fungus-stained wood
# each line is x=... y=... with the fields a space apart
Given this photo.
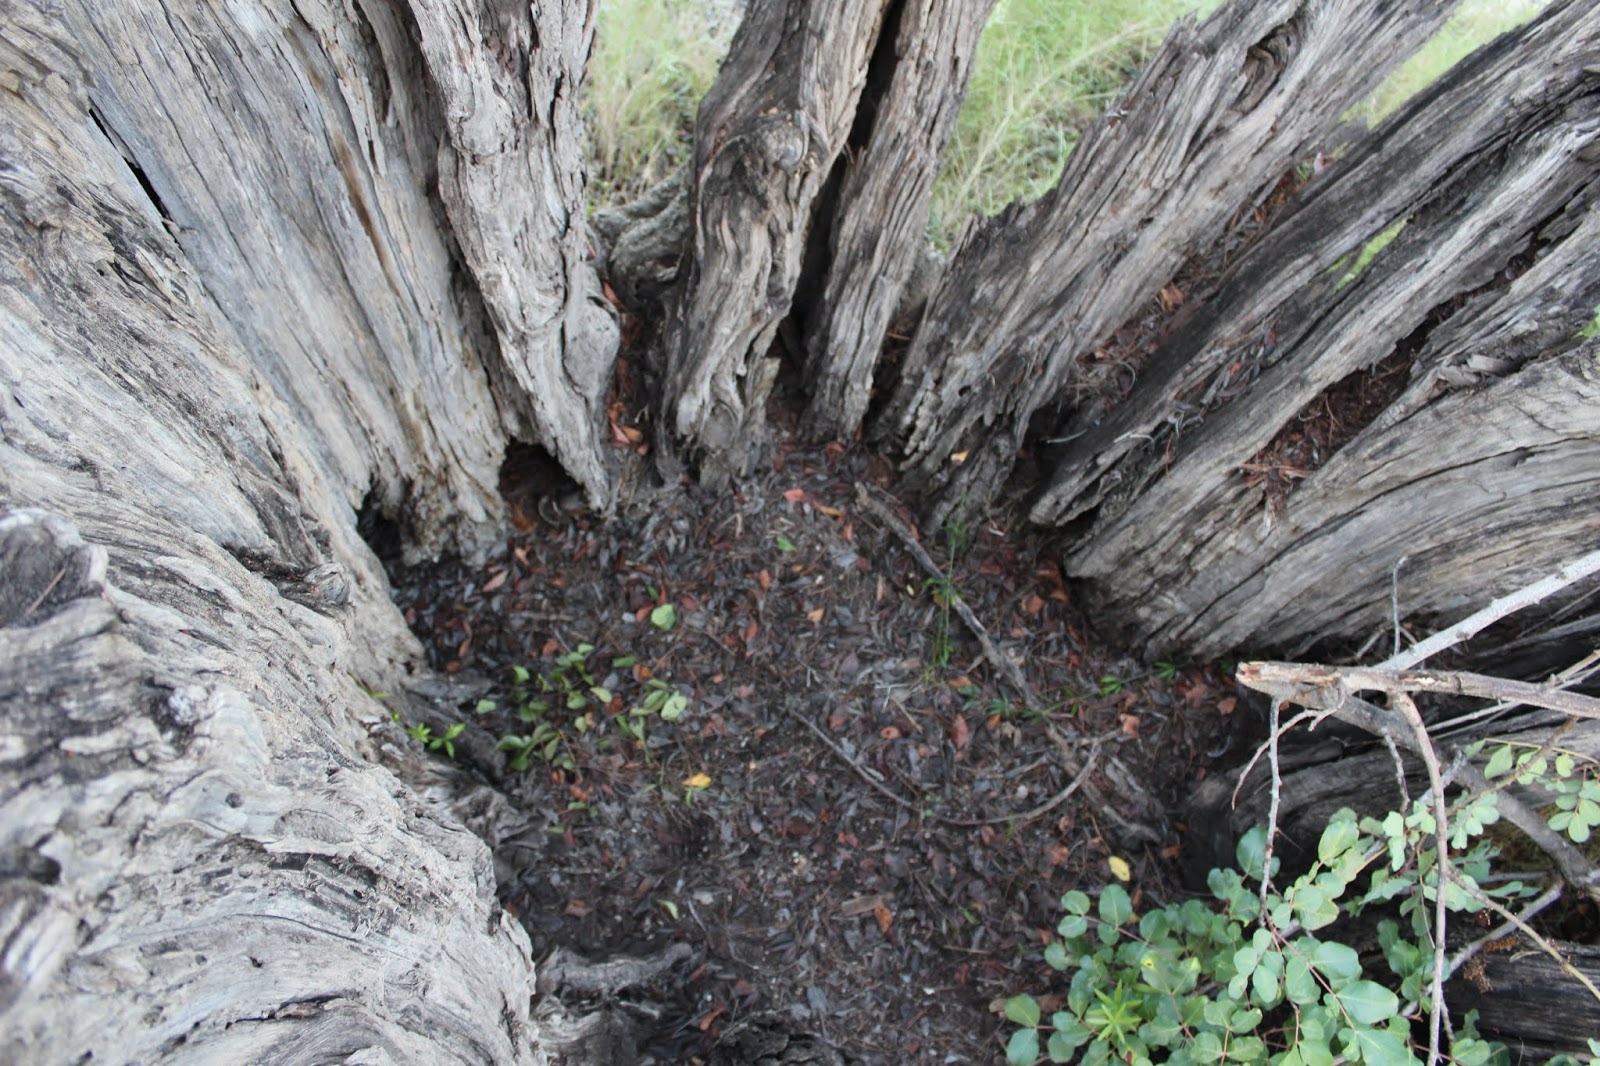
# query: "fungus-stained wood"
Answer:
x=1221 y=111
x=197 y=864
x=389 y=219
x=1479 y=466
x=878 y=228
x=766 y=139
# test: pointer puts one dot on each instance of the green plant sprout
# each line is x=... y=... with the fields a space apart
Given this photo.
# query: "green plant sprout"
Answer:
x=444 y=742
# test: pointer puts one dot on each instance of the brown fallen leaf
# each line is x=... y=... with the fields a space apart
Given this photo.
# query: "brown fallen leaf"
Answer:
x=496 y=581
x=885 y=919
x=960 y=735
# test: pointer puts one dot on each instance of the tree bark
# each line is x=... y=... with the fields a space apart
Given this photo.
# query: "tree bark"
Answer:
x=210 y=352
x=390 y=217
x=879 y=227
x=766 y=139
x=1216 y=502
x=1220 y=113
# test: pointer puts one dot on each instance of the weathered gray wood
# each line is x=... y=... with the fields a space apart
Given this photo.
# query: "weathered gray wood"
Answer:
x=1529 y=1003
x=1483 y=470
x=199 y=862
x=766 y=139
x=877 y=235
x=1223 y=109
x=388 y=218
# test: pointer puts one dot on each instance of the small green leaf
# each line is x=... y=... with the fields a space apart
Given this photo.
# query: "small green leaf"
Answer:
x=1055 y=954
x=1072 y=926
x=623 y=662
x=1380 y=1047
x=1252 y=852
x=1500 y=762
x=1023 y=1047
x=786 y=546
x=1368 y=1002
x=1298 y=984
x=664 y=616
x=1338 y=962
x=1340 y=836
x=1075 y=902
x=1313 y=907
x=1024 y=1010
x=1115 y=906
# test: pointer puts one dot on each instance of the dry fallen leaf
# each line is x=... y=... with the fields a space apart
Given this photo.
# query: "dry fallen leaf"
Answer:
x=1120 y=868
x=959 y=733
x=496 y=581
x=1227 y=704
x=794 y=495
x=700 y=780
x=814 y=616
x=885 y=919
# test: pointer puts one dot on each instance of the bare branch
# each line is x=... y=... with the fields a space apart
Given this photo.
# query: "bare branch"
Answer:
x=1526 y=596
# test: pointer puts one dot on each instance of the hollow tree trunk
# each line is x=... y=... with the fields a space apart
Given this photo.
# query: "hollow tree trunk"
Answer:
x=1230 y=499
x=261 y=261
x=1223 y=109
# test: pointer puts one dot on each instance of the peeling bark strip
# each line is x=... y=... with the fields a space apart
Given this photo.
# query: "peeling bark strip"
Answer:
x=765 y=140
x=1497 y=174
x=301 y=156
x=880 y=226
x=1223 y=109
x=197 y=864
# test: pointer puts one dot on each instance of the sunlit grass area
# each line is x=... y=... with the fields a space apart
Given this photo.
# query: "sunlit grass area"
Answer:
x=1044 y=69
x=1475 y=23
x=653 y=61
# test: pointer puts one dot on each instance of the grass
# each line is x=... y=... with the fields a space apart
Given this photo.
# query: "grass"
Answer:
x=1044 y=69
x=1476 y=22
x=653 y=60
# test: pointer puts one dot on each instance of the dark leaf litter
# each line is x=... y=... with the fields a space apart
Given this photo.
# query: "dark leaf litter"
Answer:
x=802 y=887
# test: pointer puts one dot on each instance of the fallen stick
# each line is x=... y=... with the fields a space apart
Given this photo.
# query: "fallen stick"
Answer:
x=1008 y=670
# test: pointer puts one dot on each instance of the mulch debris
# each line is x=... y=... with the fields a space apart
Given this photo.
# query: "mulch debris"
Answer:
x=854 y=822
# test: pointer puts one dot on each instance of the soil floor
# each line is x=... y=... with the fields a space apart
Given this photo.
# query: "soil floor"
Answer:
x=852 y=821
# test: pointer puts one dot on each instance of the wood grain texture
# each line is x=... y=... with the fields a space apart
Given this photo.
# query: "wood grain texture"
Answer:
x=766 y=138
x=198 y=860
x=879 y=226
x=1482 y=471
x=388 y=224
x=1224 y=108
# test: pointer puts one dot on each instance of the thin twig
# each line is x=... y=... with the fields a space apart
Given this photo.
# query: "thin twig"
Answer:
x=1261 y=749
x=892 y=522
x=1534 y=907
x=1274 y=799
x=1441 y=824
x=965 y=823
x=1528 y=931
x=1526 y=596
